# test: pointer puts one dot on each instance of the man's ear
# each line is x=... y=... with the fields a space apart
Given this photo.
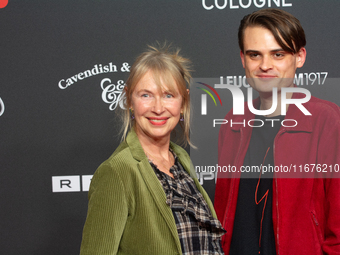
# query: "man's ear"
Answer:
x=301 y=57
x=242 y=58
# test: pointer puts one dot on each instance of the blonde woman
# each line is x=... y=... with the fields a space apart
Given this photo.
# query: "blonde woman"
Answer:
x=142 y=200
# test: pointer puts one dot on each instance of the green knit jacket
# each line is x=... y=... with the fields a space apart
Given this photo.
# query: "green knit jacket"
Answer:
x=127 y=210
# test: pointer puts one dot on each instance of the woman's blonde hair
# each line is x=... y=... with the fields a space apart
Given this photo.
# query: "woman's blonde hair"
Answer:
x=166 y=66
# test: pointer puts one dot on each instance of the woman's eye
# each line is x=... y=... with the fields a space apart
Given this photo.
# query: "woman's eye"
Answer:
x=168 y=96
x=145 y=95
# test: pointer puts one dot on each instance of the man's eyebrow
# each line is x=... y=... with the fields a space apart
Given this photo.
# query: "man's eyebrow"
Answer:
x=252 y=51
x=276 y=50
x=256 y=51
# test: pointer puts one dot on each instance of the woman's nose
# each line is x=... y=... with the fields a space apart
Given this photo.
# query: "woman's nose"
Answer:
x=158 y=106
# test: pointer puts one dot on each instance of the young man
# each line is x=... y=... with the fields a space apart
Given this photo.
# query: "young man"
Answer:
x=263 y=213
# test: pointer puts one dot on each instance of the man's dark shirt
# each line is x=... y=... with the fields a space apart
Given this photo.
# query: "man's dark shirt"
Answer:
x=253 y=231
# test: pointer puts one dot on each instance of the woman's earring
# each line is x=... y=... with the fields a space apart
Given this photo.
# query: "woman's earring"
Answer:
x=182 y=117
x=132 y=114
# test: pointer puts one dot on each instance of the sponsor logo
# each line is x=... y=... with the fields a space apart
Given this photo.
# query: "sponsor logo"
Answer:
x=112 y=94
x=206 y=176
x=71 y=183
x=97 y=69
x=2 y=107
x=244 y=4
x=3 y=3
x=313 y=78
x=300 y=79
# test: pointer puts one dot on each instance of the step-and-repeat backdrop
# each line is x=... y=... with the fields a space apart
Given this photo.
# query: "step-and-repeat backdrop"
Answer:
x=63 y=68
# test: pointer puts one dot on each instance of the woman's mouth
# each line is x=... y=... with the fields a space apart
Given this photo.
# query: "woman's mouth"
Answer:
x=158 y=121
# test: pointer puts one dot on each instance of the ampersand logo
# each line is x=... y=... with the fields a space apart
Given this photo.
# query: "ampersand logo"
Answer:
x=113 y=94
x=125 y=67
x=3 y=3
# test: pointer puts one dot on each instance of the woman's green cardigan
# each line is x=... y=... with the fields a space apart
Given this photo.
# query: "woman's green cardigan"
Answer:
x=127 y=211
